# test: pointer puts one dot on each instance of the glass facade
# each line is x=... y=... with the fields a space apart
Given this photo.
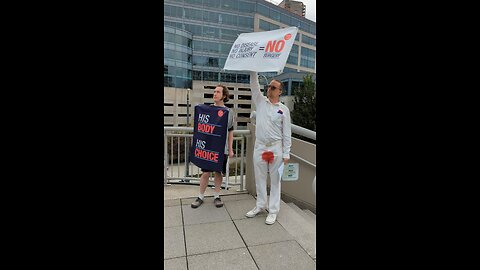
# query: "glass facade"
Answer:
x=308 y=58
x=308 y=40
x=293 y=57
x=214 y=26
x=177 y=62
x=266 y=26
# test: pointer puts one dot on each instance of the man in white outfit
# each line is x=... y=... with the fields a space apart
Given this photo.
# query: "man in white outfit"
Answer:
x=272 y=145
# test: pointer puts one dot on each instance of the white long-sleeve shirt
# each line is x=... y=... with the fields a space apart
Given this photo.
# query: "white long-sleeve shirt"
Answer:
x=272 y=120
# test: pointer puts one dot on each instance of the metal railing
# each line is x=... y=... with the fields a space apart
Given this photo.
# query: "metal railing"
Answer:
x=180 y=138
x=178 y=141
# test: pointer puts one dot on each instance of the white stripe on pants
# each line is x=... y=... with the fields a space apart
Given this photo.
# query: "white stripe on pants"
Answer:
x=261 y=167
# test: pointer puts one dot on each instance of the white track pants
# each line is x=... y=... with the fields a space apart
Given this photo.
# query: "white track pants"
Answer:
x=261 y=167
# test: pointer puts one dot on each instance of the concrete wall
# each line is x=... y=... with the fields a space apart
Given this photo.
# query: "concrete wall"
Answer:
x=299 y=192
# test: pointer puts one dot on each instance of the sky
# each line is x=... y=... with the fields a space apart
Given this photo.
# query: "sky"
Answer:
x=310 y=9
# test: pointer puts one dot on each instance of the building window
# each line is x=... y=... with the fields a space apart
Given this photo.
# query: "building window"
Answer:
x=289 y=70
x=296 y=86
x=212 y=62
x=210 y=76
x=293 y=57
x=230 y=5
x=200 y=60
x=228 y=77
x=167 y=81
x=266 y=26
x=211 y=47
x=274 y=15
x=221 y=62
x=193 y=14
x=263 y=10
x=246 y=22
x=210 y=32
x=228 y=34
x=308 y=40
x=286 y=19
x=243 y=78
x=211 y=3
x=197 y=75
x=307 y=58
x=246 y=7
x=193 y=2
x=229 y=19
x=225 y=48
x=210 y=16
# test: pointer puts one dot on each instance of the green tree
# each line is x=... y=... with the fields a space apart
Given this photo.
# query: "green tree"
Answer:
x=304 y=107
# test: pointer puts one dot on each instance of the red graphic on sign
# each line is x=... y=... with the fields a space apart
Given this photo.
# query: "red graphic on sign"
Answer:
x=288 y=36
x=220 y=113
x=274 y=45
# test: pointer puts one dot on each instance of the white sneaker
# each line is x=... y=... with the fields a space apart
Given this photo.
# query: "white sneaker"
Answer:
x=253 y=212
x=271 y=219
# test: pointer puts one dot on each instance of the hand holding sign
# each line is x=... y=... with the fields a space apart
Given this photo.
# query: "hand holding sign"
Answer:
x=261 y=51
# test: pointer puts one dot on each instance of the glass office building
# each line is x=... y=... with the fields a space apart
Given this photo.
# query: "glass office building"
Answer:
x=177 y=63
x=214 y=25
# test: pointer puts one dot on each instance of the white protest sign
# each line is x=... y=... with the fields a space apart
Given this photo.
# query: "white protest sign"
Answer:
x=261 y=51
x=289 y=172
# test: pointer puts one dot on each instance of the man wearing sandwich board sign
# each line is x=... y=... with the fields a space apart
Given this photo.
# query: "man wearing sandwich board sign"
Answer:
x=211 y=148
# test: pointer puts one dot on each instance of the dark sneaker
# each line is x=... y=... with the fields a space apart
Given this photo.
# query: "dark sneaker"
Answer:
x=218 y=202
x=197 y=203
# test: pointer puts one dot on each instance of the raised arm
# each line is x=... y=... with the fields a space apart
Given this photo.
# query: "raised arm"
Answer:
x=255 y=86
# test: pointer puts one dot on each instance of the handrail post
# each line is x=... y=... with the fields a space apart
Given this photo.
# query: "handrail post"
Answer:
x=242 y=188
x=187 y=150
x=165 y=159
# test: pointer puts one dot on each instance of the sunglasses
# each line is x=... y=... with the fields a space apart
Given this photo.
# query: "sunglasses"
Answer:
x=273 y=87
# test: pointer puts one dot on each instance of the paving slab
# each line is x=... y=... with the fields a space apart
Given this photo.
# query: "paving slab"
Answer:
x=303 y=231
x=255 y=232
x=238 y=197
x=236 y=259
x=302 y=213
x=173 y=243
x=178 y=191
x=225 y=198
x=175 y=264
x=171 y=202
x=311 y=216
x=238 y=209
x=212 y=237
x=206 y=199
x=205 y=213
x=282 y=256
x=172 y=216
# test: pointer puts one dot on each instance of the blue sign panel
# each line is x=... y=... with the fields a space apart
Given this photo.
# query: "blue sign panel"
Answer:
x=209 y=137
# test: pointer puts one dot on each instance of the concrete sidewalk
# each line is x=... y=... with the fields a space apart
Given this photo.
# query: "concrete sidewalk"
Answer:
x=223 y=238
